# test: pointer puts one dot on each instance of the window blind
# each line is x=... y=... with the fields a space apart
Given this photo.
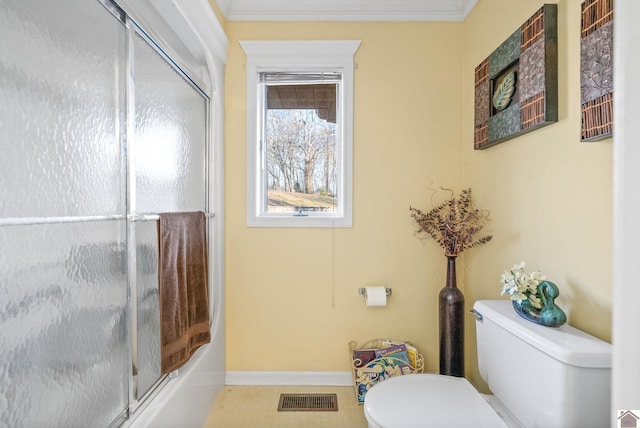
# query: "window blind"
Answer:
x=297 y=77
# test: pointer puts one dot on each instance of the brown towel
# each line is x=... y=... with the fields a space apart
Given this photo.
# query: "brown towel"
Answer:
x=184 y=289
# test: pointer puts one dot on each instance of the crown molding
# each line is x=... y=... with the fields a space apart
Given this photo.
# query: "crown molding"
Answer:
x=224 y=5
x=346 y=10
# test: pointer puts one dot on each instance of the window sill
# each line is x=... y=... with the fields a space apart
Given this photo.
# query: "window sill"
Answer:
x=300 y=221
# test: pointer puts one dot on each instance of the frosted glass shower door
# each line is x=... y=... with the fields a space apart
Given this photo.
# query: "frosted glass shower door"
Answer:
x=169 y=172
x=64 y=346
x=79 y=162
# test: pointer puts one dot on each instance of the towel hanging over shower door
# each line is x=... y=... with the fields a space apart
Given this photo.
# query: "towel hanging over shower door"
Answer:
x=183 y=286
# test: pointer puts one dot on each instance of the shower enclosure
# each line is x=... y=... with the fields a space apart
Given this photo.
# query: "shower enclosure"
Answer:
x=99 y=132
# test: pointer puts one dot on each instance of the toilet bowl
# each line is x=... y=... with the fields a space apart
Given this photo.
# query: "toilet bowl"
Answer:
x=428 y=400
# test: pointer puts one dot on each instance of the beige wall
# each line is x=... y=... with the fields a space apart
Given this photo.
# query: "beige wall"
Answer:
x=291 y=294
x=550 y=195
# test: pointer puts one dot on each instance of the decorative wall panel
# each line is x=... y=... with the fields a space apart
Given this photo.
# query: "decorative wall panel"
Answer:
x=596 y=69
x=516 y=87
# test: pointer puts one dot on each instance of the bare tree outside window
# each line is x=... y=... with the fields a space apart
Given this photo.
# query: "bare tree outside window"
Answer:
x=300 y=148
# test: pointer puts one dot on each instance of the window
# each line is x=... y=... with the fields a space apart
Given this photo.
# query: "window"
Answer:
x=299 y=133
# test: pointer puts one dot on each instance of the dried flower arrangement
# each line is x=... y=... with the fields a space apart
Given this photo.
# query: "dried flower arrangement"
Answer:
x=453 y=224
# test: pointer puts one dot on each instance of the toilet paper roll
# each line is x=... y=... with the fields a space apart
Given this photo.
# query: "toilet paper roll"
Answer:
x=376 y=295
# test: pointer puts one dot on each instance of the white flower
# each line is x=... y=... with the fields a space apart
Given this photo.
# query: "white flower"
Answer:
x=519 y=297
x=537 y=276
x=507 y=277
x=519 y=267
x=535 y=301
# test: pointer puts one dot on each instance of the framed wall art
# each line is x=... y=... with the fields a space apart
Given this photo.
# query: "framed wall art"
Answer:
x=596 y=70
x=516 y=87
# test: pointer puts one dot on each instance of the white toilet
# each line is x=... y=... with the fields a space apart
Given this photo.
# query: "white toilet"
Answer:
x=540 y=377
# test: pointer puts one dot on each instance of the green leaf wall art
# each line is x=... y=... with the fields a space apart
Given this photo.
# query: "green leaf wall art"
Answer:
x=504 y=91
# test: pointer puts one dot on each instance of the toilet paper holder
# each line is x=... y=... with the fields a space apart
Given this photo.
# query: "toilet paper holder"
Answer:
x=363 y=291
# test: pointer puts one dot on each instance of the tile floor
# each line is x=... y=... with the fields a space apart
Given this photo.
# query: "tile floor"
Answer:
x=257 y=407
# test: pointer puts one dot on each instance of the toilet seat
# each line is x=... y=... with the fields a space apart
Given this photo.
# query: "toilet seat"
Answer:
x=428 y=400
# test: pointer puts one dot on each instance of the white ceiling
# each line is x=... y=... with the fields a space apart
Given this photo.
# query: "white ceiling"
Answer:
x=346 y=10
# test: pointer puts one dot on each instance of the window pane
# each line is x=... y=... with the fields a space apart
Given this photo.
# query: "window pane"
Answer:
x=300 y=149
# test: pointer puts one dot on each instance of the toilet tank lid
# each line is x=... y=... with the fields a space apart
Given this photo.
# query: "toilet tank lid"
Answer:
x=564 y=343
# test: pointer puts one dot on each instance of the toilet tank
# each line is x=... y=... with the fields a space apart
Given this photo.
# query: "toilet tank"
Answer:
x=546 y=377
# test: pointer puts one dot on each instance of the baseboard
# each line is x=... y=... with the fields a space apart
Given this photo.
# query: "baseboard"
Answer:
x=289 y=378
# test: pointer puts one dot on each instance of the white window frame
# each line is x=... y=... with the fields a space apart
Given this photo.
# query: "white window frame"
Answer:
x=311 y=55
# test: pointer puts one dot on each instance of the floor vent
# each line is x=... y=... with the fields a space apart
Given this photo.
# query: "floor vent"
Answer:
x=308 y=403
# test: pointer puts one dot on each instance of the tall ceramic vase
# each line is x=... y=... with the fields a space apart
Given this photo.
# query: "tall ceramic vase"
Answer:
x=451 y=308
